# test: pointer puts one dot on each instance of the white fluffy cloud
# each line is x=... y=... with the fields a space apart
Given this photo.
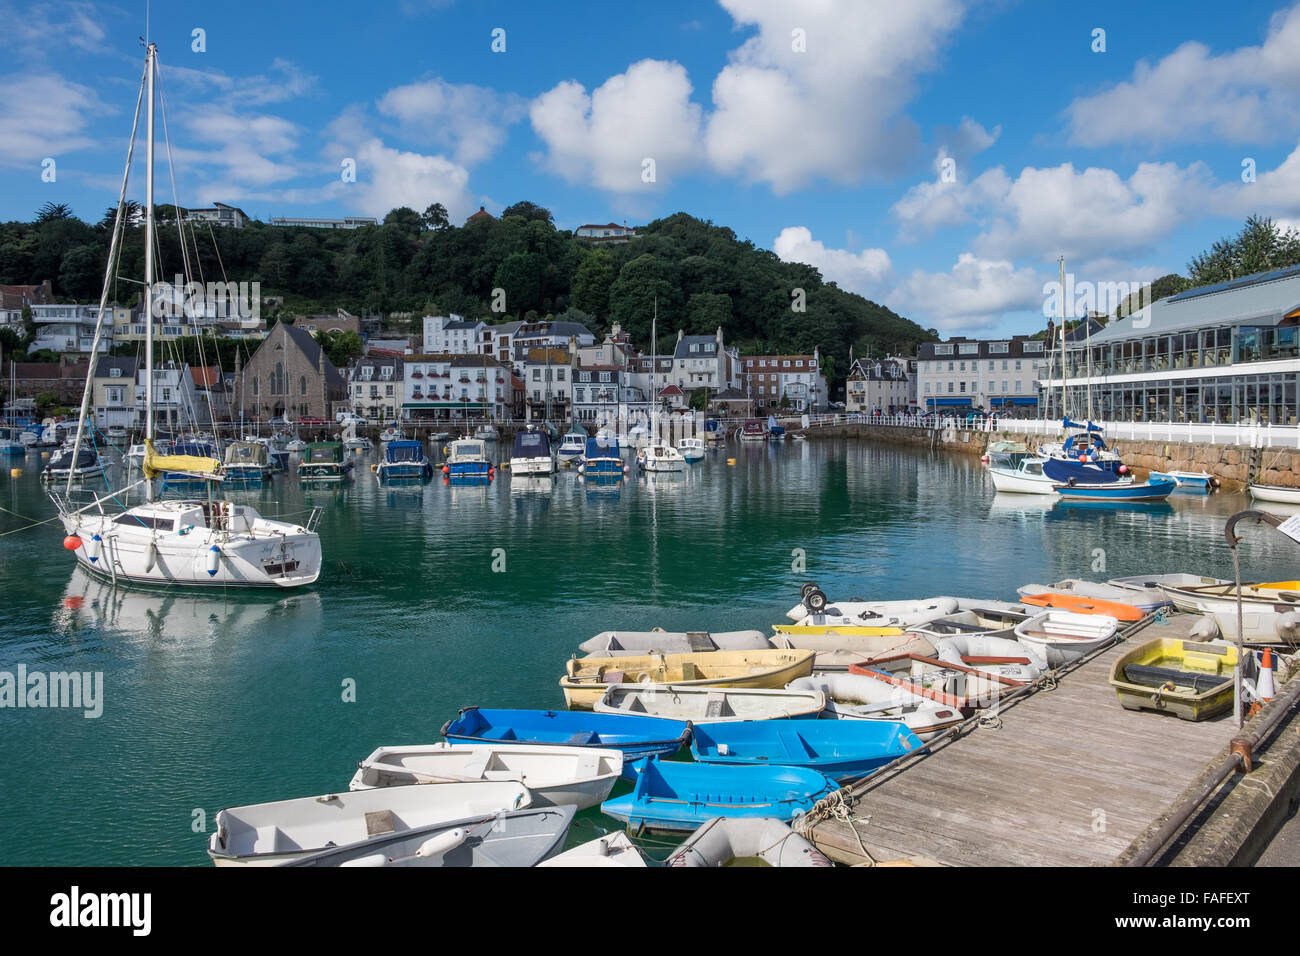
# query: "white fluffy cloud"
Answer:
x=1275 y=192
x=605 y=137
x=863 y=272
x=389 y=177
x=42 y=116
x=1245 y=95
x=250 y=149
x=470 y=120
x=833 y=110
x=927 y=208
x=976 y=293
x=1090 y=212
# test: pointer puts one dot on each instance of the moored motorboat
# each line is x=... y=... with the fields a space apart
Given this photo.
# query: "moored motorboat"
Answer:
x=247 y=462
x=404 y=458
x=324 y=461
x=581 y=777
x=586 y=678
x=1063 y=636
x=532 y=454
x=602 y=459
x=681 y=796
x=837 y=748
x=633 y=735
x=467 y=458
x=659 y=457
x=1152 y=489
x=711 y=704
x=720 y=842
x=1188 y=480
x=1277 y=493
x=80 y=463
x=573 y=444
x=692 y=449
x=1024 y=477
x=515 y=838
x=265 y=834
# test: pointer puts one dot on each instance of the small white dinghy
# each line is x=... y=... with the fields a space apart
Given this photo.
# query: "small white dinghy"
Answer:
x=709 y=704
x=1063 y=636
x=267 y=834
x=1152 y=586
x=973 y=623
x=520 y=838
x=854 y=697
x=624 y=643
x=721 y=840
x=556 y=776
x=613 y=849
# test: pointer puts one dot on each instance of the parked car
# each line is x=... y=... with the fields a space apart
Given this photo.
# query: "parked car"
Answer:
x=312 y=421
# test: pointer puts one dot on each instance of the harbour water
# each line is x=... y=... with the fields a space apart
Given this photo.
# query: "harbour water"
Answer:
x=436 y=597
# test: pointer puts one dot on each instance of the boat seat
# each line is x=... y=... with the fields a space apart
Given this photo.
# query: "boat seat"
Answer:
x=271 y=839
x=612 y=677
x=583 y=737
x=379 y=822
x=476 y=765
x=633 y=702
x=795 y=745
x=715 y=705
x=498 y=733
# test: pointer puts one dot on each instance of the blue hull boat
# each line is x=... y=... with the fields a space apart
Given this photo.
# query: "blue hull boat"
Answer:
x=634 y=735
x=1153 y=490
x=836 y=748
x=404 y=459
x=1187 y=480
x=682 y=796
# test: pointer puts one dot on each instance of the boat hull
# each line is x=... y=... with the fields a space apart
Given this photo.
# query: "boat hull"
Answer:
x=1276 y=493
x=838 y=749
x=1154 y=490
x=586 y=679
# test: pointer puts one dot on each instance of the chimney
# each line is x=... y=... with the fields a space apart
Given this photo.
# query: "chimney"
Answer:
x=719 y=336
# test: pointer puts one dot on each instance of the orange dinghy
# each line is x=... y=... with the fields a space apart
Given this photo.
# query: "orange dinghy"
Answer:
x=1080 y=604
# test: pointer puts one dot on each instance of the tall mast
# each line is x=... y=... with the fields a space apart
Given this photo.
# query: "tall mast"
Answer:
x=151 y=56
x=1062 y=333
x=654 y=372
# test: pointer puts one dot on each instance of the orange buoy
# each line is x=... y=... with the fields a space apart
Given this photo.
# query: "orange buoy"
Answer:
x=1080 y=604
x=73 y=602
x=72 y=542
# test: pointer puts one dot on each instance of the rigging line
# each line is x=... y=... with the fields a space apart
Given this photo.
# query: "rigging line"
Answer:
x=114 y=248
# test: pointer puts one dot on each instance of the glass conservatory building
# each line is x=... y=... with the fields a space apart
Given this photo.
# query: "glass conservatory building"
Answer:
x=1223 y=353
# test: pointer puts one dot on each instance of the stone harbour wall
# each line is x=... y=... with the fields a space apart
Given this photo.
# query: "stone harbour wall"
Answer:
x=1233 y=465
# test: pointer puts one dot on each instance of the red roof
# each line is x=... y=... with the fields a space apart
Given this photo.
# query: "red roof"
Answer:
x=671 y=390
x=205 y=376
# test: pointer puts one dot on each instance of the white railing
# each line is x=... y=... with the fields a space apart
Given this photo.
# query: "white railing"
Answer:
x=1250 y=434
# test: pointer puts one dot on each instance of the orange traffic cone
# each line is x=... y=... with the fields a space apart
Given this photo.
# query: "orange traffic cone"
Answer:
x=1264 y=686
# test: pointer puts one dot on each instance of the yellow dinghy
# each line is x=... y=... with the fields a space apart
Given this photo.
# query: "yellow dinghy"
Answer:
x=1184 y=678
x=587 y=678
x=841 y=630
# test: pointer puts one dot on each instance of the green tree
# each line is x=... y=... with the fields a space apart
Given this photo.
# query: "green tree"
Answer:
x=633 y=295
x=1260 y=246
x=340 y=347
x=707 y=311
x=405 y=217
x=521 y=274
x=591 y=284
x=52 y=211
x=435 y=217
x=528 y=210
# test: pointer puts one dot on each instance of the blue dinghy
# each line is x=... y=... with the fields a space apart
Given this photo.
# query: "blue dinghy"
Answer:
x=636 y=736
x=837 y=748
x=681 y=796
x=1153 y=490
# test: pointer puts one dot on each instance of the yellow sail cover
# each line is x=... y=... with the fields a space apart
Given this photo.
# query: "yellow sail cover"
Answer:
x=155 y=464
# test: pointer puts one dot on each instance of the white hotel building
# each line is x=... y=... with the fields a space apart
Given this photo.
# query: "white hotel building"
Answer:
x=972 y=374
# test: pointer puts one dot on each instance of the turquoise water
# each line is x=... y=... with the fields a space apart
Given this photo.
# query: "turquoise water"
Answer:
x=215 y=700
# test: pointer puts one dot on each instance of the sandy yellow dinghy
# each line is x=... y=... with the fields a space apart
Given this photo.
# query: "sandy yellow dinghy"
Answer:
x=587 y=678
x=1184 y=678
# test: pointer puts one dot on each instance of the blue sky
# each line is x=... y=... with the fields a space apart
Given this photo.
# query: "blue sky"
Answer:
x=936 y=156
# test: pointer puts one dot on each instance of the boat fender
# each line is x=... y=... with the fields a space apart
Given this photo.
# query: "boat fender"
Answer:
x=214 y=559
x=151 y=556
x=442 y=843
x=72 y=542
x=92 y=549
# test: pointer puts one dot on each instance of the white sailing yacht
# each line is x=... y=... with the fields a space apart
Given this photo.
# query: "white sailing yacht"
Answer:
x=209 y=542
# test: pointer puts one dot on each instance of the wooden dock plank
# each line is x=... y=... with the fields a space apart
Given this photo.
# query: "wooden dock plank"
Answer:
x=1068 y=778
